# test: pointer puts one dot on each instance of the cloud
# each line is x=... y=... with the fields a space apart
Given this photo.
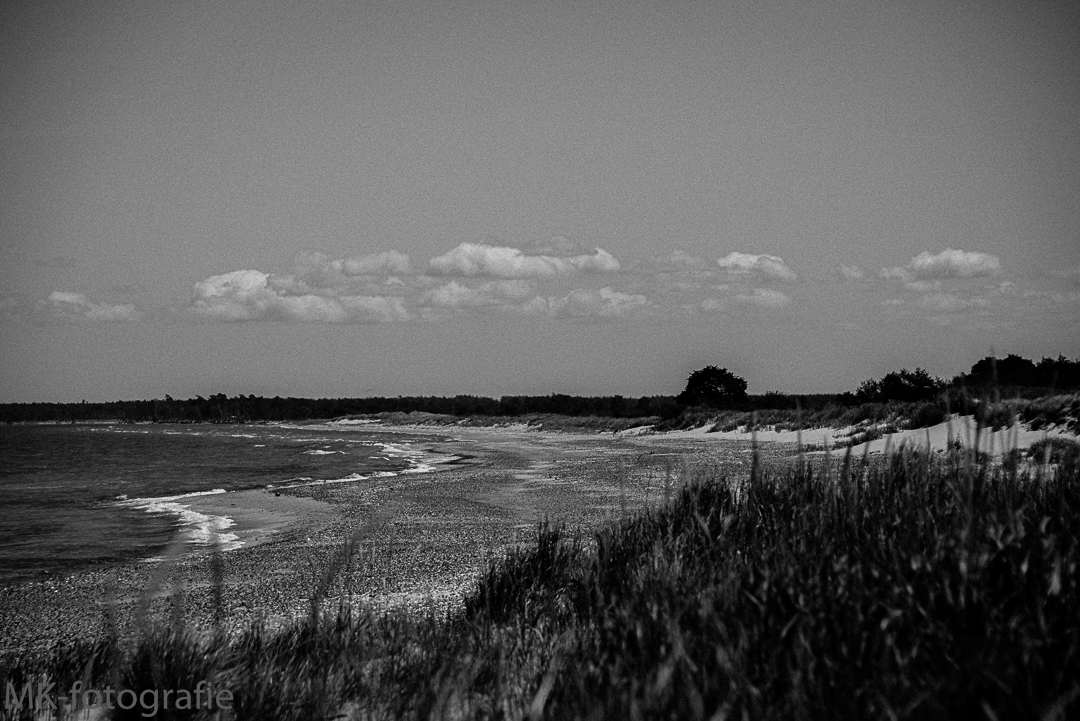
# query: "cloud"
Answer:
x=389 y=262
x=896 y=273
x=949 y=263
x=515 y=297
x=557 y=245
x=677 y=260
x=603 y=303
x=248 y=295
x=768 y=267
x=851 y=272
x=473 y=259
x=765 y=298
x=485 y=295
x=1072 y=274
x=922 y=286
x=76 y=306
x=313 y=269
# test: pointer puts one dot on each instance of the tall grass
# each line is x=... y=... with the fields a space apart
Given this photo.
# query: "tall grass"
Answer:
x=916 y=587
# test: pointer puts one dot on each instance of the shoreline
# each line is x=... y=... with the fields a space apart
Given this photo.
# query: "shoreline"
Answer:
x=257 y=515
x=424 y=538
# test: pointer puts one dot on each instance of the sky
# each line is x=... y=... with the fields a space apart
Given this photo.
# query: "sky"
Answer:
x=341 y=199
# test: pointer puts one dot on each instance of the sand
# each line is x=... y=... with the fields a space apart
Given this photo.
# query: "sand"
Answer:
x=938 y=436
x=424 y=538
x=259 y=514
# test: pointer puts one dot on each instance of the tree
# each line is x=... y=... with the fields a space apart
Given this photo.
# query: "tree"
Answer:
x=916 y=385
x=712 y=386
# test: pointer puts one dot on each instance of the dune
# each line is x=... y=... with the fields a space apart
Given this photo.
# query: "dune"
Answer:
x=936 y=437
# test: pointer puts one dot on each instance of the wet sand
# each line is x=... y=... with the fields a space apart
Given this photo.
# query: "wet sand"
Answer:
x=259 y=514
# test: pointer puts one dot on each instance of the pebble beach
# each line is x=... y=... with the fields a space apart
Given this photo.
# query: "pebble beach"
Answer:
x=422 y=539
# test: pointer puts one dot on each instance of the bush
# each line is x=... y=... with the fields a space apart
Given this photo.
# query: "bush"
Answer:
x=905 y=385
x=927 y=414
x=1060 y=450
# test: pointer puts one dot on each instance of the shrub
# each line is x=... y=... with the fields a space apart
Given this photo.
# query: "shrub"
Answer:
x=1055 y=450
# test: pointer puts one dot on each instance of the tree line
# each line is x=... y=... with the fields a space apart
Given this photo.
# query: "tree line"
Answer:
x=1010 y=376
x=244 y=409
x=710 y=386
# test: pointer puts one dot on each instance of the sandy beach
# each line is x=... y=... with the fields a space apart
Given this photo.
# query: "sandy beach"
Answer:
x=423 y=537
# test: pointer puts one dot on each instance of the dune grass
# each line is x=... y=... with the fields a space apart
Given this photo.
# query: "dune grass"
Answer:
x=920 y=586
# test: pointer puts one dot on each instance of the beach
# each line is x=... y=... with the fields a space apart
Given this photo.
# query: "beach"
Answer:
x=423 y=537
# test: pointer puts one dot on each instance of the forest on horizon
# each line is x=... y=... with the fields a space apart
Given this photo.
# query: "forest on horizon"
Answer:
x=1012 y=376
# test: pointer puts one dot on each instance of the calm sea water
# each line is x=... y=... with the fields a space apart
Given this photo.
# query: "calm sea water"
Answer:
x=82 y=495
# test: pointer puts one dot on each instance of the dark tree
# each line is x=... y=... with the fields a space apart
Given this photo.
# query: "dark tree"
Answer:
x=1015 y=371
x=916 y=385
x=1012 y=370
x=712 y=386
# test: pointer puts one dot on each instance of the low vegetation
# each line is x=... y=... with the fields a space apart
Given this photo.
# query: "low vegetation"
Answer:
x=928 y=586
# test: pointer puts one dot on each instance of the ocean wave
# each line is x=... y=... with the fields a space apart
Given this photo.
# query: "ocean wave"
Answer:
x=351 y=478
x=200 y=529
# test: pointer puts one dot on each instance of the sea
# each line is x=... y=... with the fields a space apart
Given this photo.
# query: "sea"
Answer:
x=87 y=495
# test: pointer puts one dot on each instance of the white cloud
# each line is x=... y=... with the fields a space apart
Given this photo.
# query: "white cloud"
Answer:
x=245 y=295
x=896 y=273
x=76 y=306
x=851 y=272
x=764 y=266
x=677 y=260
x=490 y=294
x=313 y=269
x=922 y=286
x=603 y=303
x=389 y=262
x=765 y=298
x=472 y=259
x=949 y=263
x=378 y=309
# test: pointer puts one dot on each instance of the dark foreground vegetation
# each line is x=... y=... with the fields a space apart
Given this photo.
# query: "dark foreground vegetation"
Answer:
x=915 y=587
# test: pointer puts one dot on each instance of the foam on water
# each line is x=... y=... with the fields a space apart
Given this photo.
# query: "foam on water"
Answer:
x=200 y=528
x=88 y=494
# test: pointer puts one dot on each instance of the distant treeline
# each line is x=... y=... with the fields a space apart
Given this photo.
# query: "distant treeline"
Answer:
x=239 y=409
x=1005 y=377
x=1013 y=371
x=1010 y=376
